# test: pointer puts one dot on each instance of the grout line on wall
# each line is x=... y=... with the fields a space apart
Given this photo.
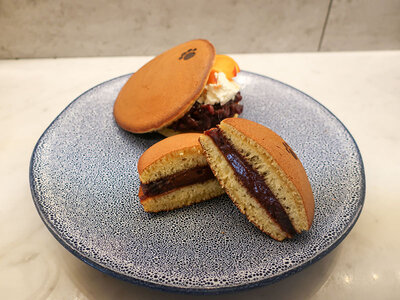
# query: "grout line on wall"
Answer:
x=324 y=27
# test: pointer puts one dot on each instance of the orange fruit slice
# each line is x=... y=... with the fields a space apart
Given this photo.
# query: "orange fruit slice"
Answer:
x=225 y=64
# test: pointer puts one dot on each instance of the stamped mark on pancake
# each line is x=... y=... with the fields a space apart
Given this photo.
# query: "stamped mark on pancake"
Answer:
x=188 y=54
x=288 y=149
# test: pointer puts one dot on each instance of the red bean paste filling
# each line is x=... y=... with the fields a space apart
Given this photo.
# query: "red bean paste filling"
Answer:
x=252 y=180
x=202 y=117
x=187 y=177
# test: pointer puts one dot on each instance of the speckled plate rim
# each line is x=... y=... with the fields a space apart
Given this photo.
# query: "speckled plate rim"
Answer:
x=205 y=291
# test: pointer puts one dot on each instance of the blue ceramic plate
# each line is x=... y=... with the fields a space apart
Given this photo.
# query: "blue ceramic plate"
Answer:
x=84 y=184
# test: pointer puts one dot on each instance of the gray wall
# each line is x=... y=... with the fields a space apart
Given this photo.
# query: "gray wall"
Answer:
x=54 y=28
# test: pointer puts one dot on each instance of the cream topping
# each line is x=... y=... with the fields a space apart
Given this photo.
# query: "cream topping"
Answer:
x=220 y=92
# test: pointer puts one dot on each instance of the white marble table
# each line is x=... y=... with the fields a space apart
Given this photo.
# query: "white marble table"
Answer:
x=361 y=88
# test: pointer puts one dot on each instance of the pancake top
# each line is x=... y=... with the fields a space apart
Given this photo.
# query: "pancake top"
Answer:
x=165 y=88
x=176 y=143
x=283 y=155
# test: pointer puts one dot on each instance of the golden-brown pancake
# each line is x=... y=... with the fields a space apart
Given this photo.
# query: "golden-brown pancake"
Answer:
x=164 y=89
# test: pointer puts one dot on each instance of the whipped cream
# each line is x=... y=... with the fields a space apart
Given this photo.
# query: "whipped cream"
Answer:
x=220 y=92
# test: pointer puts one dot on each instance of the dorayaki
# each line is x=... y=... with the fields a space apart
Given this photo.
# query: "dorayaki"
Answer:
x=185 y=89
x=262 y=175
x=174 y=173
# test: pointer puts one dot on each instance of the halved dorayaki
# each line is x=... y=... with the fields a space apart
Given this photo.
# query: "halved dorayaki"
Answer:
x=174 y=173
x=262 y=175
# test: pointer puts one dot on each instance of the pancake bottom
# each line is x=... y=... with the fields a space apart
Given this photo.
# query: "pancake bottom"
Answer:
x=184 y=196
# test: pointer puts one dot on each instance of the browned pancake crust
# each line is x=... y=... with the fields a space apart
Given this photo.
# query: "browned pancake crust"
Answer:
x=164 y=89
x=162 y=148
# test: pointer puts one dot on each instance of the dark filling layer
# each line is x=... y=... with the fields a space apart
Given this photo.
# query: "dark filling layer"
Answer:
x=202 y=117
x=252 y=180
x=177 y=180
